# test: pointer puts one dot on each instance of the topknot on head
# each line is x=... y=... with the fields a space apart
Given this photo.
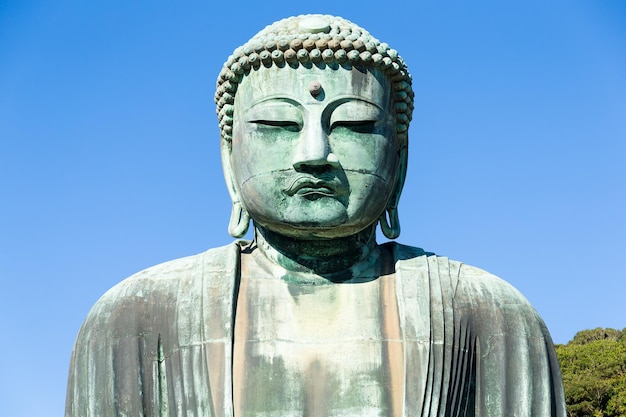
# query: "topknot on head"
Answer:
x=321 y=40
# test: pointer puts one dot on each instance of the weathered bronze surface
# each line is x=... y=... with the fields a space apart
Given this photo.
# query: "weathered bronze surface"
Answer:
x=313 y=317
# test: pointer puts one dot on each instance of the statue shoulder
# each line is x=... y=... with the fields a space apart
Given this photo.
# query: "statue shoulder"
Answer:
x=481 y=294
x=465 y=284
x=158 y=292
x=484 y=287
x=158 y=313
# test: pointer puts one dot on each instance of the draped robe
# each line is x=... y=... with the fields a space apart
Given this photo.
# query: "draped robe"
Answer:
x=160 y=343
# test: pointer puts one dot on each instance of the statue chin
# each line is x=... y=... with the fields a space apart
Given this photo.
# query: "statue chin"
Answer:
x=327 y=223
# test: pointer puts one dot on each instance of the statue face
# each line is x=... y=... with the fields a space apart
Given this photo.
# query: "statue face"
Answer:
x=314 y=151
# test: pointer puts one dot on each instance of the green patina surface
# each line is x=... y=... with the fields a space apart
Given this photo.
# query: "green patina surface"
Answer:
x=314 y=318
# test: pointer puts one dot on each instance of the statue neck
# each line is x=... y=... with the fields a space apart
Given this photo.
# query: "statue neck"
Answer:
x=321 y=256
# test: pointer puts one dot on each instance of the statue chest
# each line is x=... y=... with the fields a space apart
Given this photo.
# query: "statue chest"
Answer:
x=313 y=350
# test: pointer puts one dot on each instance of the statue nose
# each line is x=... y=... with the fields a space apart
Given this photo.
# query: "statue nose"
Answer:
x=313 y=152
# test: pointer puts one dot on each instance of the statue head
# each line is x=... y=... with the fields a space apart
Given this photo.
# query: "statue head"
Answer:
x=314 y=115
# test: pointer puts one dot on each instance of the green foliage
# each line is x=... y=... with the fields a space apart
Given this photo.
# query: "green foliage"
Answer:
x=593 y=365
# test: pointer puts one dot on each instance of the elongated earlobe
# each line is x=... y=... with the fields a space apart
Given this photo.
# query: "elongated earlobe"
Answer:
x=239 y=221
x=390 y=223
x=389 y=220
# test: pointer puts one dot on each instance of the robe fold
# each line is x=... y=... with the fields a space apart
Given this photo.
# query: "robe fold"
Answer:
x=160 y=343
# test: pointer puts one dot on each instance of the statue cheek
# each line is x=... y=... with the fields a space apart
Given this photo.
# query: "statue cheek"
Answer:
x=262 y=193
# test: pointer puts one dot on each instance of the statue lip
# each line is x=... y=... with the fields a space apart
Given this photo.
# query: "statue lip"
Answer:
x=312 y=186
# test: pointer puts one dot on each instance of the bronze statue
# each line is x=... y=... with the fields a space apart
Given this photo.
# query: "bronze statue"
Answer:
x=313 y=317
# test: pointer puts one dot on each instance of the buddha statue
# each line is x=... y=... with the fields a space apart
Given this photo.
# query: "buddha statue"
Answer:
x=313 y=317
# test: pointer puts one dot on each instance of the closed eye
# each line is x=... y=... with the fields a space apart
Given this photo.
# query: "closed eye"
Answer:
x=358 y=126
x=288 y=125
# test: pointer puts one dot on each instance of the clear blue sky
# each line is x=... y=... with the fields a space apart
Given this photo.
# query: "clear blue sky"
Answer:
x=109 y=153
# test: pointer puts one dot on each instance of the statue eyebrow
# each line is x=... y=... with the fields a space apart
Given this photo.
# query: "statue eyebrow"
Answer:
x=338 y=101
x=275 y=99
